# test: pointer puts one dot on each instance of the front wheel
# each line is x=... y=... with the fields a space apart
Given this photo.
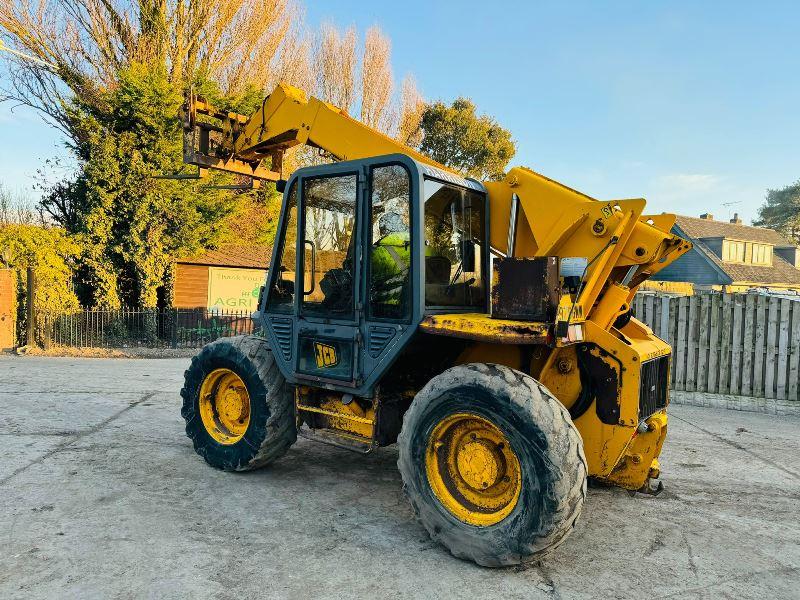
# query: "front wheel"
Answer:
x=238 y=409
x=492 y=464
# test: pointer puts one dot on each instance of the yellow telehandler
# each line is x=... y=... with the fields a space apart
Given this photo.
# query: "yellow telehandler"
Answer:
x=484 y=327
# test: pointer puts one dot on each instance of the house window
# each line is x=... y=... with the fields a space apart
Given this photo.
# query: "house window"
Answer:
x=762 y=254
x=733 y=251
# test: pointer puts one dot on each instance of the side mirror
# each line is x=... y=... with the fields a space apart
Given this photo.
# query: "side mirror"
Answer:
x=280 y=185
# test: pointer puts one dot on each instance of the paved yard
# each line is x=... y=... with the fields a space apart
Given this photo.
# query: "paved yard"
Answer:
x=101 y=495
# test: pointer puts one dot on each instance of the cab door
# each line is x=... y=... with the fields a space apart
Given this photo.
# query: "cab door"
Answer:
x=391 y=261
x=329 y=251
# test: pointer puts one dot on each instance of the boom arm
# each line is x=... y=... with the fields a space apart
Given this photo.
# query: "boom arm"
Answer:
x=530 y=215
x=239 y=144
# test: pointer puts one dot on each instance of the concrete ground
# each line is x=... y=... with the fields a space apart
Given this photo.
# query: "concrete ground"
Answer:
x=102 y=496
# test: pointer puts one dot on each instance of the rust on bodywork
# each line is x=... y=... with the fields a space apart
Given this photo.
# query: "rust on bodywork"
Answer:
x=525 y=289
x=482 y=328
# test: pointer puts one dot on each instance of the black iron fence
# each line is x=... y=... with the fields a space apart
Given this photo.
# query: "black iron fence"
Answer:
x=147 y=328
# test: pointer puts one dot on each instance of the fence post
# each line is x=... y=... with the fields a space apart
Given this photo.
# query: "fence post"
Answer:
x=46 y=334
x=30 y=307
x=174 y=326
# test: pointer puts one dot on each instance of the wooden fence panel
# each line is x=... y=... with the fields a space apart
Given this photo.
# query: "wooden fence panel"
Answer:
x=702 y=346
x=680 y=351
x=760 y=348
x=772 y=327
x=738 y=344
x=664 y=329
x=726 y=333
x=794 y=353
x=691 y=344
x=648 y=308
x=748 y=340
x=713 y=344
x=783 y=348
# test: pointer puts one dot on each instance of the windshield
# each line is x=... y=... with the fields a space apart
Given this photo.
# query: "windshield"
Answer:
x=454 y=240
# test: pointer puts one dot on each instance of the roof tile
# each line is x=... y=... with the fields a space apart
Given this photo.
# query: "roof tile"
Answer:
x=707 y=228
x=781 y=272
x=233 y=255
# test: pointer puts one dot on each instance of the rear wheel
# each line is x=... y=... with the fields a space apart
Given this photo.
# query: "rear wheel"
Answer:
x=492 y=464
x=238 y=409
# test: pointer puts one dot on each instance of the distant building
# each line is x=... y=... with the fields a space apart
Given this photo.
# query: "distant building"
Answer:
x=226 y=279
x=731 y=257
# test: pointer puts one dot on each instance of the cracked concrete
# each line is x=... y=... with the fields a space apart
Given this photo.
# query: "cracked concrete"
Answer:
x=101 y=496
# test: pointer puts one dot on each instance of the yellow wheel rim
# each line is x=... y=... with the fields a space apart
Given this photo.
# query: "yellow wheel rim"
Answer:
x=224 y=406
x=472 y=469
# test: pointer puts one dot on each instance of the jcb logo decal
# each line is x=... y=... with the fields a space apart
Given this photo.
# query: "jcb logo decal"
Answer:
x=326 y=355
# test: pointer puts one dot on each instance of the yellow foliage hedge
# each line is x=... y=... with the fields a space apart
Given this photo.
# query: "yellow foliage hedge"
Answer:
x=51 y=252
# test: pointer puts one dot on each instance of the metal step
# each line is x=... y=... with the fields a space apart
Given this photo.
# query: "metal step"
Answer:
x=331 y=437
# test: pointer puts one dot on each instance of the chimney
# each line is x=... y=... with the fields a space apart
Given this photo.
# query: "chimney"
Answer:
x=707 y=216
x=736 y=220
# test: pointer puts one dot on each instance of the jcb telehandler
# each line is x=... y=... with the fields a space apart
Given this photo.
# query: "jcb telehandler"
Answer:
x=483 y=326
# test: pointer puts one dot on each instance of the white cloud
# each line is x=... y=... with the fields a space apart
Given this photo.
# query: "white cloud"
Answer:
x=687 y=182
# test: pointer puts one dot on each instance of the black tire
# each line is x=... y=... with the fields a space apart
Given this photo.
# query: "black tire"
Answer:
x=549 y=449
x=272 y=428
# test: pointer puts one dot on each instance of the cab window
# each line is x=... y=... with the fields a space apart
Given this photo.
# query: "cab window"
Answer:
x=390 y=244
x=329 y=218
x=281 y=297
x=454 y=239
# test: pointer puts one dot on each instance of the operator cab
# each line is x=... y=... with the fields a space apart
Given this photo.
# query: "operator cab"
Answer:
x=357 y=265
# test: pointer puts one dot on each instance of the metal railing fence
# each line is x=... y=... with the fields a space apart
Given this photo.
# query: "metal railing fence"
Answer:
x=150 y=328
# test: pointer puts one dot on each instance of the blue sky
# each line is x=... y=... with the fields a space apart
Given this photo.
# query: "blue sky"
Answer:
x=692 y=105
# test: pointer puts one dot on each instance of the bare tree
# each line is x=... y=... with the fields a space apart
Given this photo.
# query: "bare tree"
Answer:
x=335 y=62
x=295 y=65
x=16 y=209
x=237 y=43
x=412 y=105
x=377 y=83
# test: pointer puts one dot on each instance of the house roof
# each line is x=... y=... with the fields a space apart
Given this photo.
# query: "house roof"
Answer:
x=233 y=255
x=781 y=272
x=706 y=228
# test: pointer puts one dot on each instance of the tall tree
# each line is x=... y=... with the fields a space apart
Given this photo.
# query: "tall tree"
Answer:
x=412 y=107
x=474 y=145
x=336 y=62
x=377 y=82
x=111 y=77
x=114 y=82
x=237 y=43
x=781 y=211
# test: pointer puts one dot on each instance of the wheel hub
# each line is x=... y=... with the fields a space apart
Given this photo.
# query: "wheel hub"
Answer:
x=472 y=469
x=232 y=406
x=224 y=406
x=479 y=464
